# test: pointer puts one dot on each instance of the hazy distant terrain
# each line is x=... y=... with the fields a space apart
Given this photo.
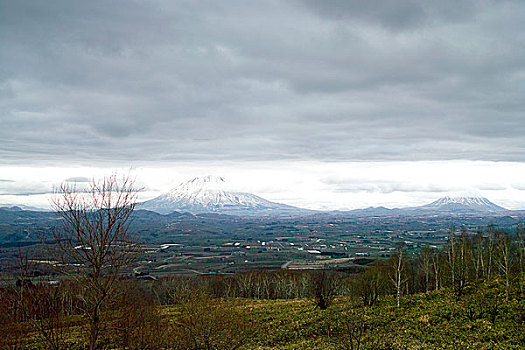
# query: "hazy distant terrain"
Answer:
x=213 y=242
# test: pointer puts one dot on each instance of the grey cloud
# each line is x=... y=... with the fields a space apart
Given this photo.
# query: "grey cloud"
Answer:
x=519 y=186
x=395 y=14
x=362 y=185
x=23 y=194
x=125 y=83
x=391 y=14
x=491 y=187
x=23 y=188
x=78 y=179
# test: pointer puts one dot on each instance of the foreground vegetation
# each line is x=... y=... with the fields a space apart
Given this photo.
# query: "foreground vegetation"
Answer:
x=479 y=319
x=470 y=294
x=435 y=320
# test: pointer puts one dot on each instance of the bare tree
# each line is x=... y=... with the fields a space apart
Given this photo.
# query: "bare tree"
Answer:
x=490 y=250
x=351 y=330
x=437 y=267
x=452 y=254
x=93 y=244
x=323 y=288
x=398 y=273
x=41 y=305
x=520 y=236
x=370 y=284
x=478 y=256
x=425 y=262
x=504 y=258
x=207 y=323
x=463 y=256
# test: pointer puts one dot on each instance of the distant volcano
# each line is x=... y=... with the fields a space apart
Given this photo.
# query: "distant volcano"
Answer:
x=211 y=194
x=470 y=203
x=449 y=205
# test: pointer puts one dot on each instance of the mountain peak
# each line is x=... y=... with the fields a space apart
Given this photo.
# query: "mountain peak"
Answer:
x=465 y=194
x=207 y=179
x=212 y=194
x=208 y=183
x=461 y=203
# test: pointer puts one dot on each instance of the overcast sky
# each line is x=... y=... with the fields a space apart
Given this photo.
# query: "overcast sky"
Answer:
x=335 y=104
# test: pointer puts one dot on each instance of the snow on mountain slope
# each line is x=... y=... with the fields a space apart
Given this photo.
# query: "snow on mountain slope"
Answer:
x=211 y=194
x=463 y=203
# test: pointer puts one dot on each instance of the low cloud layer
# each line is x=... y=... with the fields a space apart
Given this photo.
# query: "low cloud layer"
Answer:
x=77 y=179
x=122 y=83
x=315 y=185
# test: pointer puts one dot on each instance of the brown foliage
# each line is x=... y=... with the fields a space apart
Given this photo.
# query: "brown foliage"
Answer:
x=323 y=288
x=135 y=320
x=205 y=323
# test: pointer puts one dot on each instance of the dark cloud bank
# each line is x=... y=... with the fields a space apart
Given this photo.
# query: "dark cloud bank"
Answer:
x=158 y=81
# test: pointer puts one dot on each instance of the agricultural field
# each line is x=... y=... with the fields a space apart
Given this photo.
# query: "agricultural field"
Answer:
x=182 y=243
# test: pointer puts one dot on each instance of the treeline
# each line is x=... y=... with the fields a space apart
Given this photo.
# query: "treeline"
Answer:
x=465 y=259
x=130 y=316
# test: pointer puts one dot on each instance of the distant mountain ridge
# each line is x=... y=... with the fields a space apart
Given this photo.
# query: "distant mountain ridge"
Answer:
x=448 y=205
x=20 y=225
x=18 y=207
x=211 y=194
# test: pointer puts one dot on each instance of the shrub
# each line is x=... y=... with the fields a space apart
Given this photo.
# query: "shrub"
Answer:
x=210 y=324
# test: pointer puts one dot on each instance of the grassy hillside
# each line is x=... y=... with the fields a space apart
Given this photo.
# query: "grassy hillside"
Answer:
x=480 y=319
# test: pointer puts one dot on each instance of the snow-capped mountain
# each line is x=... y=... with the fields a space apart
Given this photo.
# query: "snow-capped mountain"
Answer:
x=450 y=205
x=470 y=203
x=212 y=194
